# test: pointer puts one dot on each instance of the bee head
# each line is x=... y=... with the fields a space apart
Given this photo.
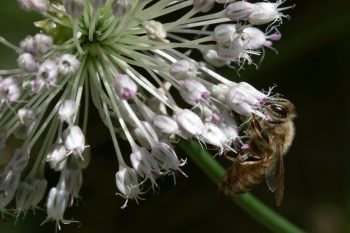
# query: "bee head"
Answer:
x=279 y=110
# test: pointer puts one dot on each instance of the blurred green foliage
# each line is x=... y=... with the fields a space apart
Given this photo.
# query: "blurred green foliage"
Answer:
x=311 y=69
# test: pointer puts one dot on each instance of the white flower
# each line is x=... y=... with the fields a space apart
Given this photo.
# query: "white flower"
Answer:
x=213 y=135
x=8 y=184
x=146 y=135
x=211 y=56
x=145 y=164
x=57 y=201
x=27 y=62
x=71 y=181
x=189 y=123
x=183 y=69
x=165 y=124
x=57 y=157
x=18 y=161
x=42 y=42
x=10 y=89
x=166 y=157
x=225 y=33
x=128 y=184
x=68 y=64
x=239 y=10
x=67 y=111
x=24 y=196
x=47 y=73
x=74 y=140
x=228 y=125
x=28 y=45
x=245 y=99
x=40 y=186
x=193 y=92
x=266 y=12
x=26 y=116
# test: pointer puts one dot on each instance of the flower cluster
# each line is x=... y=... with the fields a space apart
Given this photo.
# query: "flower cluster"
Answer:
x=128 y=57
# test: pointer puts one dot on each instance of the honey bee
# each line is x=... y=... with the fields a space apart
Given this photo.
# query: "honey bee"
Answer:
x=262 y=154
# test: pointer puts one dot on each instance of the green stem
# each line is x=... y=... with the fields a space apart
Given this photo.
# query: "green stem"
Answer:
x=255 y=208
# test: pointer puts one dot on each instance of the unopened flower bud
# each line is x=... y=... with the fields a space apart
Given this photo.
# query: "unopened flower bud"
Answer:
x=39 y=190
x=68 y=64
x=71 y=181
x=74 y=8
x=24 y=196
x=67 y=111
x=43 y=42
x=57 y=157
x=225 y=33
x=211 y=56
x=8 y=184
x=146 y=136
x=203 y=5
x=155 y=30
x=220 y=91
x=189 y=123
x=27 y=62
x=74 y=140
x=165 y=124
x=183 y=69
x=239 y=10
x=125 y=87
x=120 y=7
x=98 y=3
x=18 y=161
x=193 y=92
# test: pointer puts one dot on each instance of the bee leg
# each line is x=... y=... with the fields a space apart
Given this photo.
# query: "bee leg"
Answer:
x=233 y=159
x=259 y=130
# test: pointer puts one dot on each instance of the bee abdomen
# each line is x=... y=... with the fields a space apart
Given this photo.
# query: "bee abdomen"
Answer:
x=242 y=177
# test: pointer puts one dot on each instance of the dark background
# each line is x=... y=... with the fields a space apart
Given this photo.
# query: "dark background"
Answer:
x=311 y=69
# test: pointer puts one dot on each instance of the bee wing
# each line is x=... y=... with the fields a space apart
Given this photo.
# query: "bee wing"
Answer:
x=275 y=174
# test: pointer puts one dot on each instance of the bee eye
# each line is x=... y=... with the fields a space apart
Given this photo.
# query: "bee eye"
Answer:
x=281 y=111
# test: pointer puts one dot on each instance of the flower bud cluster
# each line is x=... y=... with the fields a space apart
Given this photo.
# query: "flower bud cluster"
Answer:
x=135 y=63
x=237 y=43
